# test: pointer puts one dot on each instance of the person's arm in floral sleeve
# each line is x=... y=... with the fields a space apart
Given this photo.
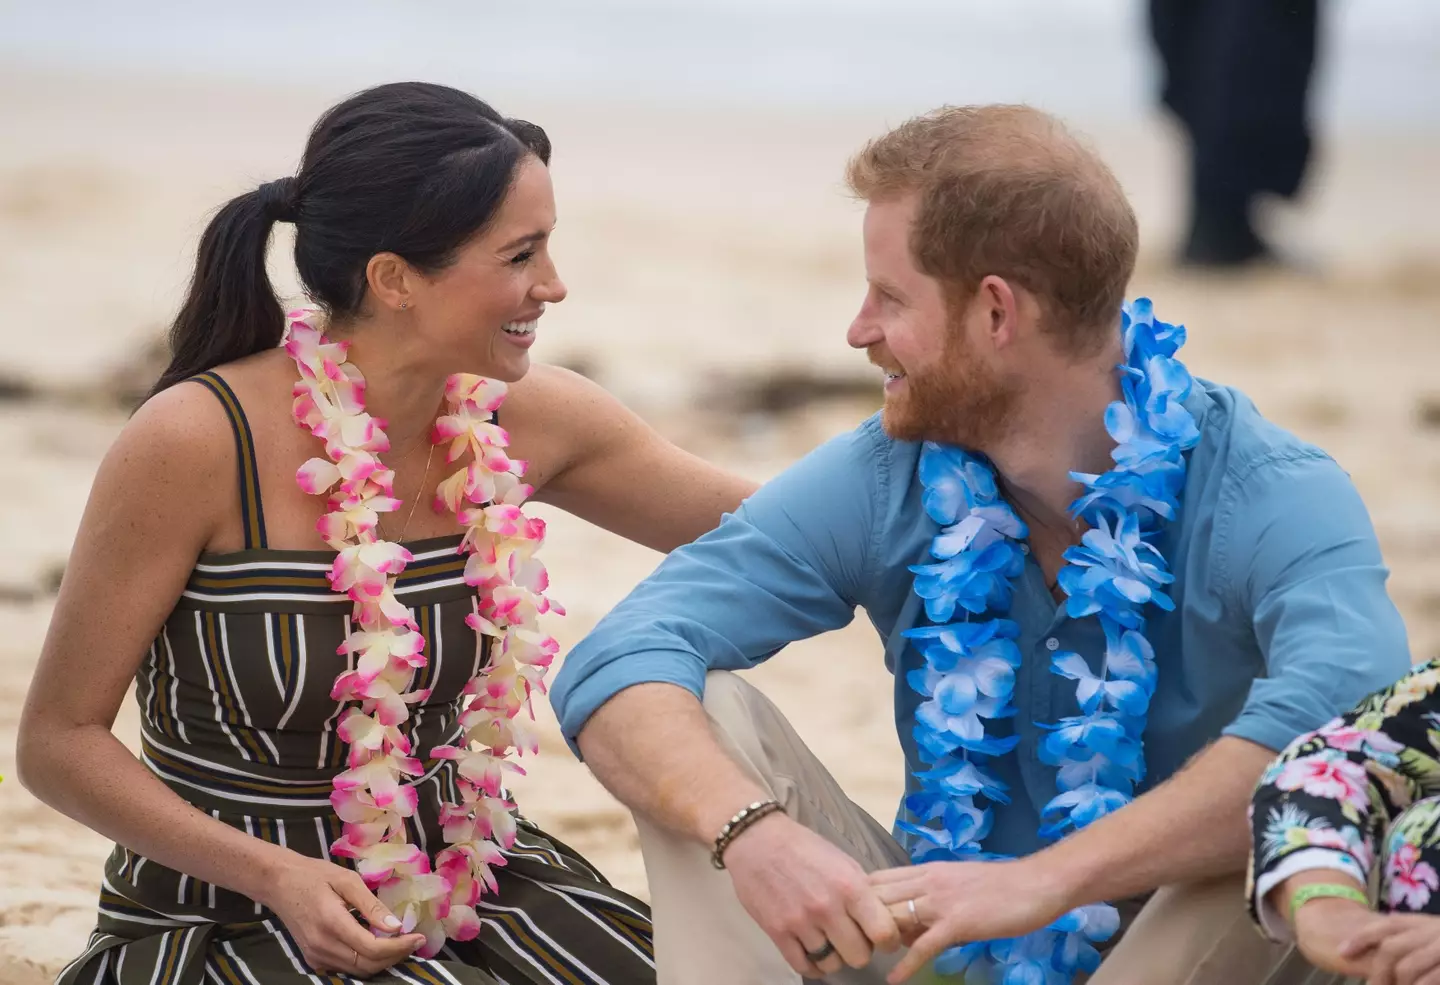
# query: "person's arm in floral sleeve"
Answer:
x=1321 y=810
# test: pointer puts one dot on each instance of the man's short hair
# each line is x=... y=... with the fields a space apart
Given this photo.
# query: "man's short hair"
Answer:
x=1009 y=191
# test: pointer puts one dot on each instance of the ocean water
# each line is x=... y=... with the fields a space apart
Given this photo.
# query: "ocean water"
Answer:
x=1083 y=58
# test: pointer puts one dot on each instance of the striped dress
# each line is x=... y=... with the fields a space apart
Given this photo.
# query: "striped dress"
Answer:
x=237 y=719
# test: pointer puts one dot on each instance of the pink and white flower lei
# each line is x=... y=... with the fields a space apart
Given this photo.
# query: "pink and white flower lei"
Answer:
x=376 y=793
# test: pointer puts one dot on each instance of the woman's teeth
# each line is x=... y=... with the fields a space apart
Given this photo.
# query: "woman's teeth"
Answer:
x=518 y=328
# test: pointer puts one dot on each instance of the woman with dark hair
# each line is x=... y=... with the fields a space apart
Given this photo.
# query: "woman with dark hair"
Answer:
x=332 y=681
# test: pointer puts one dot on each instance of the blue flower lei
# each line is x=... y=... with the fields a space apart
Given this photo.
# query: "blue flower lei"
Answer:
x=969 y=672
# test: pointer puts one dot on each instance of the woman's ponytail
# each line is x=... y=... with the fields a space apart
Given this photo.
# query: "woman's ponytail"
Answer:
x=231 y=310
x=409 y=168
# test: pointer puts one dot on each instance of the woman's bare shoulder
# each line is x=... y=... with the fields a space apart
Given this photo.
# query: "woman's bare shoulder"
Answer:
x=180 y=434
x=544 y=382
x=558 y=396
x=555 y=416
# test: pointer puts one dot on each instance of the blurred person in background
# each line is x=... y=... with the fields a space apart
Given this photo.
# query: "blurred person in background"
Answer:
x=1351 y=806
x=318 y=794
x=1237 y=76
x=1108 y=593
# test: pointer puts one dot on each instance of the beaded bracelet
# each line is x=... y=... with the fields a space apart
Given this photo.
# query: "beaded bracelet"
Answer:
x=742 y=820
x=1323 y=890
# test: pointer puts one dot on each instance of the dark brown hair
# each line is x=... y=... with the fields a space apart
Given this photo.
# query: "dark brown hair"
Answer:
x=408 y=168
x=1008 y=191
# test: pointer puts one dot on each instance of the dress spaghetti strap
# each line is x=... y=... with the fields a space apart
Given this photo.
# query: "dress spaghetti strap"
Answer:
x=252 y=514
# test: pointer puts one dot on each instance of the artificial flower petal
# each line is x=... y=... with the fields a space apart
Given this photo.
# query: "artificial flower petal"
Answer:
x=969 y=666
x=385 y=650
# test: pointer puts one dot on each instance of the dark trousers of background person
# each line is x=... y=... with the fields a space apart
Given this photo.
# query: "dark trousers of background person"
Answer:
x=1237 y=74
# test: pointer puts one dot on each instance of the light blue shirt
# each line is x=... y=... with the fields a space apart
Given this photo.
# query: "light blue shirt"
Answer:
x=1281 y=621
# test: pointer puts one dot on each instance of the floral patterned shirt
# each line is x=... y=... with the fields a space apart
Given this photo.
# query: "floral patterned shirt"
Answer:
x=1363 y=787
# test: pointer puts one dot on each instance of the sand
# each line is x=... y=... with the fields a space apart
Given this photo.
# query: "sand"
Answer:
x=713 y=264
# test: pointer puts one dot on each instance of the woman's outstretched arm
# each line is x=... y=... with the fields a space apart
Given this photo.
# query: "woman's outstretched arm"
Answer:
x=606 y=465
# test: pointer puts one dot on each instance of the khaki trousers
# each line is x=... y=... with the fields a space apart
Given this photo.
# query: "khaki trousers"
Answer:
x=1195 y=934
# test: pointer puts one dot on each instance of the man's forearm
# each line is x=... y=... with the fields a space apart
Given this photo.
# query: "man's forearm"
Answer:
x=651 y=745
x=1193 y=826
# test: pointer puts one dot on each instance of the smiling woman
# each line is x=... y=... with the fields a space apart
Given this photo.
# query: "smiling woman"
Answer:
x=402 y=177
x=325 y=731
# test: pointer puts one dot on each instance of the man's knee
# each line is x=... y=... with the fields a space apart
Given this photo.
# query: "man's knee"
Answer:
x=738 y=709
x=756 y=734
x=1196 y=934
x=725 y=691
x=732 y=705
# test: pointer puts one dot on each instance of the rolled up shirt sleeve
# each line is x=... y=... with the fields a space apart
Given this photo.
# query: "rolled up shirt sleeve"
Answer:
x=789 y=564
x=1301 y=559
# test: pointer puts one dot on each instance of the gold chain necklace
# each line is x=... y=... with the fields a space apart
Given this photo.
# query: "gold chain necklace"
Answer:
x=415 y=500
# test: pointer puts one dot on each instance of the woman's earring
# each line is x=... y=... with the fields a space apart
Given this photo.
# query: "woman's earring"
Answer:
x=404 y=305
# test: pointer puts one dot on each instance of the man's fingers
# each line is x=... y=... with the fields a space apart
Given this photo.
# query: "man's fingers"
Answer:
x=794 y=953
x=813 y=942
x=851 y=942
x=877 y=922
x=929 y=944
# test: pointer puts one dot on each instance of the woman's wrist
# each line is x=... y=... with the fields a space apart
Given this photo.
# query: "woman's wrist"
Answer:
x=258 y=866
x=1322 y=925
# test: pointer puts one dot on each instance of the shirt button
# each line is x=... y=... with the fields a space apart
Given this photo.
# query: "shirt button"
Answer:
x=1052 y=644
x=1024 y=548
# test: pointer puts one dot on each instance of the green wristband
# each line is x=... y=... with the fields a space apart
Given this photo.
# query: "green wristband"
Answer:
x=1322 y=890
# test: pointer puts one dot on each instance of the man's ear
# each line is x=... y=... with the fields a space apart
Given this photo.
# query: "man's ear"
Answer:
x=998 y=305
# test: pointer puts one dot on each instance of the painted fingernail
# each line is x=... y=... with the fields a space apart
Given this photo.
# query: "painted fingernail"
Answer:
x=392 y=922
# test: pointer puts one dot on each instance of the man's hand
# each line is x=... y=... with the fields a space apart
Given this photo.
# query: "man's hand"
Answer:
x=803 y=891
x=958 y=902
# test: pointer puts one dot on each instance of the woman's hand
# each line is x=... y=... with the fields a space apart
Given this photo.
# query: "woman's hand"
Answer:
x=1395 y=948
x=955 y=902
x=313 y=898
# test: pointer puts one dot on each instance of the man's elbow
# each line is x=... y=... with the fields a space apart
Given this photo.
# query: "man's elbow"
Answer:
x=626 y=713
x=1245 y=755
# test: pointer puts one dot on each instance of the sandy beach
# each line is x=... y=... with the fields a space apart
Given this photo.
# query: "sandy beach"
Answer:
x=713 y=263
